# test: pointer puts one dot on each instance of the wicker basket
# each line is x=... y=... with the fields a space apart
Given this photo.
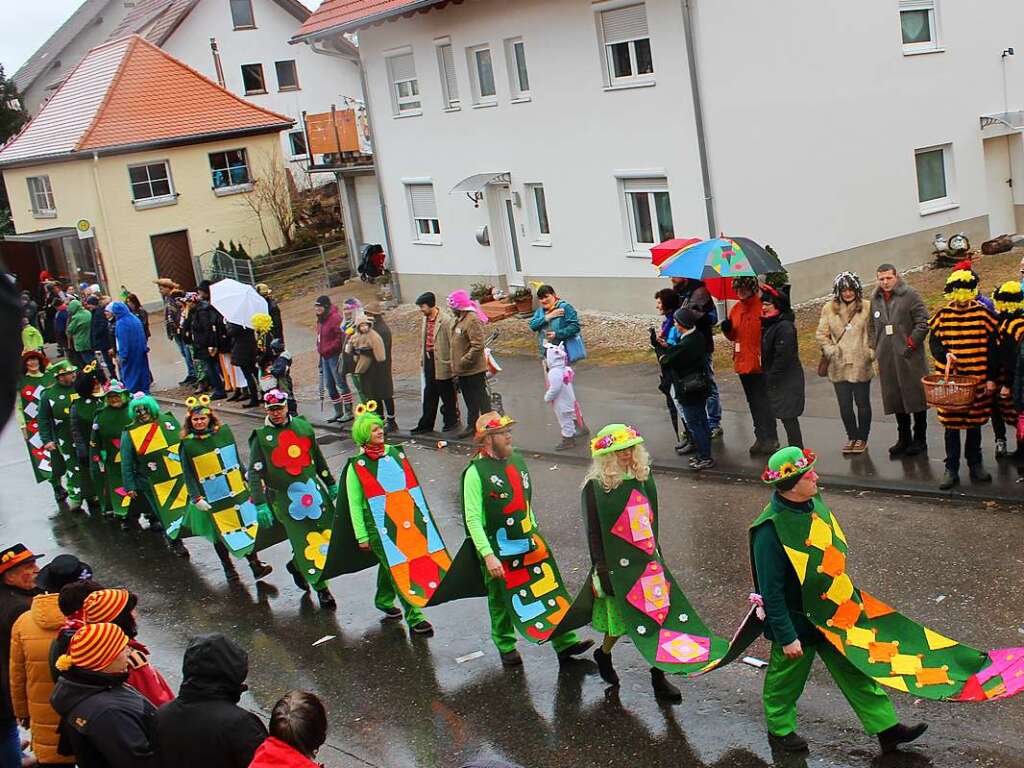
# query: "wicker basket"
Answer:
x=949 y=390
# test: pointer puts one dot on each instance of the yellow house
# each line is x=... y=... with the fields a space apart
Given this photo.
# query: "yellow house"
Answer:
x=137 y=167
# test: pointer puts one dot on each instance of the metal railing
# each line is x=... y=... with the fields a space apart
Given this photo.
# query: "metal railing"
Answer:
x=316 y=268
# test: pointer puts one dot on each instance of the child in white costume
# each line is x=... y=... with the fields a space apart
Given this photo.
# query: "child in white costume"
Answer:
x=560 y=393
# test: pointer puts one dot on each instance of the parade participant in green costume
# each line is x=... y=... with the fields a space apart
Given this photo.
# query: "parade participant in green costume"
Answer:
x=83 y=411
x=108 y=425
x=525 y=591
x=798 y=557
x=55 y=430
x=285 y=463
x=390 y=517
x=151 y=467
x=34 y=379
x=221 y=510
x=632 y=589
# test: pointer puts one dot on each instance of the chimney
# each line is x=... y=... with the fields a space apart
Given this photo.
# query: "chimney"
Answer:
x=216 y=62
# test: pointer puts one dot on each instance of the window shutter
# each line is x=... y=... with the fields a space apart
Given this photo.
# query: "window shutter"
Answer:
x=622 y=24
x=423 y=203
x=645 y=185
x=451 y=83
x=402 y=67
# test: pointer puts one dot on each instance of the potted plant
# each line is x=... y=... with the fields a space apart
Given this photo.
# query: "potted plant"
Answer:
x=523 y=299
x=482 y=292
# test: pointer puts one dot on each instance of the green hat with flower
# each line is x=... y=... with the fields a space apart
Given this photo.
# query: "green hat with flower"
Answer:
x=788 y=463
x=62 y=367
x=614 y=437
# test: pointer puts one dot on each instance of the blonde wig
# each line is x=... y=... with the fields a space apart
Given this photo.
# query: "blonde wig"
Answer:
x=609 y=475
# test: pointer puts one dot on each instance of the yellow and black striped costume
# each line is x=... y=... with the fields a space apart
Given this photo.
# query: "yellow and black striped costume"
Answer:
x=969 y=332
x=1011 y=331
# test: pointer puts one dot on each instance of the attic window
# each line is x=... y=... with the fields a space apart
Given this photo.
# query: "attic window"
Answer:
x=241 y=14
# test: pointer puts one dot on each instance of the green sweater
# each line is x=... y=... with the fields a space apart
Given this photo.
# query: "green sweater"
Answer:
x=778 y=585
x=79 y=326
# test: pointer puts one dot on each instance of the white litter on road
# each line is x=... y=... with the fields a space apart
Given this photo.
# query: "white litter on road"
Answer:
x=469 y=657
x=324 y=639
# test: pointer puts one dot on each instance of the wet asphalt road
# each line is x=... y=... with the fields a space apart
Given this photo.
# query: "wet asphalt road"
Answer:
x=396 y=702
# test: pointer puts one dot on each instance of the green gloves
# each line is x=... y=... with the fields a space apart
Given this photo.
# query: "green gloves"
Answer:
x=264 y=516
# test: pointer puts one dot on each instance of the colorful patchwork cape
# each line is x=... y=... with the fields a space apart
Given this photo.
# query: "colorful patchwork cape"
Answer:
x=55 y=415
x=881 y=642
x=661 y=621
x=289 y=463
x=105 y=452
x=30 y=390
x=213 y=472
x=93 y=480
x=397 y=510
x=152 y=453
x=534 y=591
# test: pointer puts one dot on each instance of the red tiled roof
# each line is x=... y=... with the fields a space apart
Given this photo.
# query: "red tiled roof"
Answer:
x=348 y=15
x=129 y=92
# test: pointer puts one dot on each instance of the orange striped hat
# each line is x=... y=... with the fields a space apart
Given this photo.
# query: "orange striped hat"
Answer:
x=104 y=605
x=93 y=647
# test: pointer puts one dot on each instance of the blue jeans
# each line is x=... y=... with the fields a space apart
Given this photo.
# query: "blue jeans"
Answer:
x=714 y=404
x=696 y=418
x=213 y=377
x=10 y=743
x=186 y=353
x=332 y=379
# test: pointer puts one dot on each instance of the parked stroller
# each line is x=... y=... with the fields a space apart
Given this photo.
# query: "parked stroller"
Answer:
x=371 y=262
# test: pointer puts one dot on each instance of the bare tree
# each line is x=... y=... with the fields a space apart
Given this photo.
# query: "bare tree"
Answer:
x=272 y=197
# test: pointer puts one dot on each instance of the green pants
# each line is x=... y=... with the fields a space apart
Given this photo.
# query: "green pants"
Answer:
x=386 y=592
x=503 y=628
x=784 y=682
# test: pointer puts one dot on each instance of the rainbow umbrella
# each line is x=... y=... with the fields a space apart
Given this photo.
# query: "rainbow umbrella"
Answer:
x=716 y=262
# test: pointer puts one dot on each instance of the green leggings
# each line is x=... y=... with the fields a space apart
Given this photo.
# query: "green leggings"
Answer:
x=784 y=682
x=503 y=628
x=386 y=592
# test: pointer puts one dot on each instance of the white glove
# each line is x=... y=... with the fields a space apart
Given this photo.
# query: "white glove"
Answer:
x=203 y=504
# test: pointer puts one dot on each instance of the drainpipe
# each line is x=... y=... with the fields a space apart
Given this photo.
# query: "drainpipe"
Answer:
x=216 y=62
x=319 y=48
x=698 y=116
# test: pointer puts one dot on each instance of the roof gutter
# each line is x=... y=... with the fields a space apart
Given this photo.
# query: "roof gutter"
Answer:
x=366 y=21
x=698 y=117
x=142 y=146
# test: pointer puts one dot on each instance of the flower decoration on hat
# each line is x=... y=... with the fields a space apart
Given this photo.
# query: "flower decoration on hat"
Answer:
x=275 y=398
x=962 y=283
x=370 y=406
x=90 y=367
x=198 y=405
x=615 y=437
x=492 y=422
x=788 y=463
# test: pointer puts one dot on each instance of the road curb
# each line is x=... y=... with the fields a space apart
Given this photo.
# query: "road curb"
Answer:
x=831 y=482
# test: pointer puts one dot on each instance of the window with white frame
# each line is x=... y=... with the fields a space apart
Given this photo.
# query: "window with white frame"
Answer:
x=241 y=14
x=229 y=170
x=649 y=212
x=449 y=82
x=481 y=73
x=405 y=88
x=626 y=45
x=426 y=225
x=919 y=26
x=537 y=205
x=41 y=196
x=151 y=182
x=935 y=180
x=297 y=143
x=519 y=77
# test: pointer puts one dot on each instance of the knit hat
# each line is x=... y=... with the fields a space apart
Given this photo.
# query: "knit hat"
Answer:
x=685 y=317
x=366 y=420
x=847 y=281
x=745 y=282
x=615 y=437
x=1009 y=298
x=779 y=298
x=491 y=423
x=93 y=647
x=962 y=283
x=105 y=605
x=788 y=464
x=93 y=301
x=323 y=301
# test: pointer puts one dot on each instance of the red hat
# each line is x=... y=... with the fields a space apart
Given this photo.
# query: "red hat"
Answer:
x=93 y=647
x=104 y=605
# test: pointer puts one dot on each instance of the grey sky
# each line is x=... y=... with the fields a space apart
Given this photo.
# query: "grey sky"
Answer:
x=26 y=24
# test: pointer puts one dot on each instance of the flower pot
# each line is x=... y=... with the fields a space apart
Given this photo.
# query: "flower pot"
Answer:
x=524 y=305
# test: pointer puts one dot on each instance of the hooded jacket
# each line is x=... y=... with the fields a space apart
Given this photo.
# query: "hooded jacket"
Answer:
x=13 y=603
x=329 y=338
x=79 y=326
x=132 y=350
x=99 y=331
x=204 y=725
x=243 y=345
x=31 y=683
x=206 y=326
x=274 y=753
x=106 y=723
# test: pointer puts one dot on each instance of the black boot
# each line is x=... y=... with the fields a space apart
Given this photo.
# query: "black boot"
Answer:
x=979 y=475
x=899 y=448
x=791 y=742
x=225 y=561
x=235 y=396
x=574 y=650
x=176 y=546
x=390 y=425
x=259 y=569
x=605 y=668
x=663 y=689
x=326 y=599
x=61 y=497
x=891 y=738
x=297 y=577
x=949 y=480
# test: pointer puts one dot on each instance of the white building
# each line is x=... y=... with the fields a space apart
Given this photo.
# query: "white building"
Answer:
x=843 y=135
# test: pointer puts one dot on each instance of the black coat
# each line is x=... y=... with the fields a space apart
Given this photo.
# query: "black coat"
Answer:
x=105 y=723
x=13 y=603
x=686 y=364
x=780 y=360
x=206 y=327
x=99 y=332
x=277 y=330
x=243 y=345
x=204 y=726
x=384 y=386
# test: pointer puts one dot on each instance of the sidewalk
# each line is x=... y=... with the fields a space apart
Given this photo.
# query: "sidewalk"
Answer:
x=630 y=394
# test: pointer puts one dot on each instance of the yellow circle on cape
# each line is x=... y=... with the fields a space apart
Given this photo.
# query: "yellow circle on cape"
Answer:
x=294 y=451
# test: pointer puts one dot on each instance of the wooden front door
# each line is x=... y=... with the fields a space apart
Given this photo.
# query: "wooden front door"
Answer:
x=173 y=256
